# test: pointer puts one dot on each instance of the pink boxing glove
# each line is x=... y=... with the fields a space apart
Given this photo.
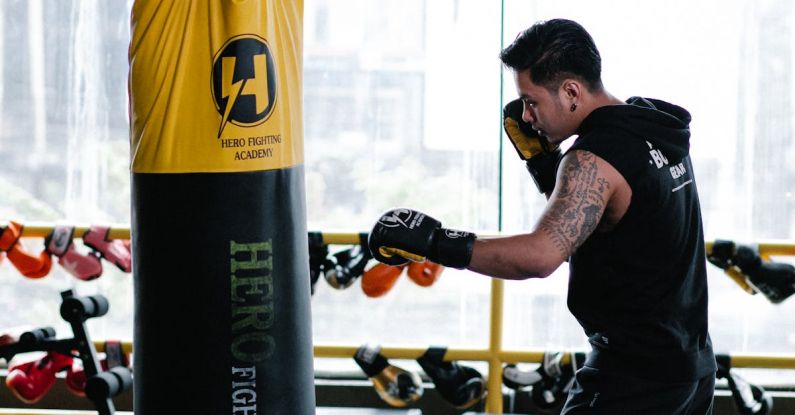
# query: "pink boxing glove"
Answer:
x=59 y=243
x=114 y=250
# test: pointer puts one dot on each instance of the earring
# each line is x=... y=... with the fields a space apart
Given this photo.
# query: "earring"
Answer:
x=573 y=107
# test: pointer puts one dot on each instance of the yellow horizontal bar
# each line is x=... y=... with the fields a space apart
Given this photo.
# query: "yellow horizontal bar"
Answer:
x=340 y=238
x=508 y=356
x=126 y=347
x=409 y=353
x=784 y=248
x=766 y=362
x=41 y=230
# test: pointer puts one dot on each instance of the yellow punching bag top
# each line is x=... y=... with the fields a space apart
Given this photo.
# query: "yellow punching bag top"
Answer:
x=215 y=85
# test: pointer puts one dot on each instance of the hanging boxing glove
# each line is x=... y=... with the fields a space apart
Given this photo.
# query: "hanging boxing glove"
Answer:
x=395 y=386
x=318 y=251
x=460 y=385
x=114 y=356
x=749 y=398
x=60 y=243
x=380 y=279
x=76 y=378
x=8 y=338
x=30 y=381
x=425 y=273
x=29 y=265
x=515 y=378
x=115 y=251
x=557 y=379
x=776 y=281
x=347 y=266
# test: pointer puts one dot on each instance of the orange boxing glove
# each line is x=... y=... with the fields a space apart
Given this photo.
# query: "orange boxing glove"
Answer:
x=29 y=265
x=379 y=279
x=425 y=273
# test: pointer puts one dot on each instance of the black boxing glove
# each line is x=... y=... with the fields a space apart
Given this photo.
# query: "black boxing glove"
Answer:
x=403 y=235
x=540 y=156
x=775 y=280
x=460 y=385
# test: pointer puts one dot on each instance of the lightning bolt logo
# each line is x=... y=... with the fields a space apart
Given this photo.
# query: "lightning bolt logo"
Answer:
x=244 y=67
x=230 y=89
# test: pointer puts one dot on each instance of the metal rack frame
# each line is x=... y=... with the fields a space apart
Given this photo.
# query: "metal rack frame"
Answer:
x=495 y=355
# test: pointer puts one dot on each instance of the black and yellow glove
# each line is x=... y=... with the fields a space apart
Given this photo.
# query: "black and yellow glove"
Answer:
x=540 y=156
x=774 y=280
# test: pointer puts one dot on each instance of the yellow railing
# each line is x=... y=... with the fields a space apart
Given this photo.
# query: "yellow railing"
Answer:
x=494 y=355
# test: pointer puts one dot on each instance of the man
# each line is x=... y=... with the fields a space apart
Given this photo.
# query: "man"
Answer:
x=623 y=210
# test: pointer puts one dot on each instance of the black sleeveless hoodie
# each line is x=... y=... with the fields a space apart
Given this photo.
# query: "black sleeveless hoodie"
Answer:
x=640 y=290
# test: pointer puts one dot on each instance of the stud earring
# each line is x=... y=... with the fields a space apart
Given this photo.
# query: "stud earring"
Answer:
x=573 y=107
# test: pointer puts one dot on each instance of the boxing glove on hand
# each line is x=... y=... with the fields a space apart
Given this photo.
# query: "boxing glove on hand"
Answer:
x=541 y=157
x=403 y=235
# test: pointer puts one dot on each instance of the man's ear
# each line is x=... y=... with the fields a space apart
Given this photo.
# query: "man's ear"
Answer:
x=571 y=88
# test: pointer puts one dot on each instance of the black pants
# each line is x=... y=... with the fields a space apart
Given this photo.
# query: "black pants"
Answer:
x=598 y=392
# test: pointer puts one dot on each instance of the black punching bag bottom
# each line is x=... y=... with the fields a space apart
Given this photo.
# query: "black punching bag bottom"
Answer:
x=222 y=312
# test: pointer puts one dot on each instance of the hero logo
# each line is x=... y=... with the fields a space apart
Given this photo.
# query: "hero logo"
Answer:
x=397 y=217
x=244 y=82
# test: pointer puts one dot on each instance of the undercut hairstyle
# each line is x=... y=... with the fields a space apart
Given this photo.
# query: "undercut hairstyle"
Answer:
x=554 y=50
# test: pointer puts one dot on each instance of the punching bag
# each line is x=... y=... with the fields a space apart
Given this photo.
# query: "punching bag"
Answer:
x=222 y=312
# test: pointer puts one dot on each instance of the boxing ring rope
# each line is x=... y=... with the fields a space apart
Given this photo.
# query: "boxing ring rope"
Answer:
x=494 y=355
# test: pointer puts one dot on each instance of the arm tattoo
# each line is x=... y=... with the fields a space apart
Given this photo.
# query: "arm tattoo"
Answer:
x=580 y=202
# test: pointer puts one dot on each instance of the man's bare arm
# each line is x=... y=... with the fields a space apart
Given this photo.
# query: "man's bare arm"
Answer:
x=578 y=203
x=584 y=187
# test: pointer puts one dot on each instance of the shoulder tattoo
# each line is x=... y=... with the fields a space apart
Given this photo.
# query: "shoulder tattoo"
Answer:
x=579 y=204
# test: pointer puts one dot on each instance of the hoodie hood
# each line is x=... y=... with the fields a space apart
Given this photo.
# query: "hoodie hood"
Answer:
x=665 y=125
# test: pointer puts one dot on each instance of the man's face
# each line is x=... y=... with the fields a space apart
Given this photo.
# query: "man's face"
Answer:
x=543 y=109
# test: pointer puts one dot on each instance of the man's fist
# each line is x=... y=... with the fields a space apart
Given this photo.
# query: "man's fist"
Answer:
x=403 y=235
x=540 y=156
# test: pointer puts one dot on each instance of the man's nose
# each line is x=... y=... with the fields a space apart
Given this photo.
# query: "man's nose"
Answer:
x=528 y=116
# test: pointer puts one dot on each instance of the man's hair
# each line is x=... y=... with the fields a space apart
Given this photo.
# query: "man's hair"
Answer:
x=554 y=50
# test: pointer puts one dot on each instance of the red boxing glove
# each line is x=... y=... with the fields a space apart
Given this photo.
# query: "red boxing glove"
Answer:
x=76 y=375
x=76 y=378
x=29 y=265
x=30 y=381
x=60 y=243
x=113 y=250
x=8 y=338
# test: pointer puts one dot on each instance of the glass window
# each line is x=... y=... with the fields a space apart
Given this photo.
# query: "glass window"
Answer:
x=64 y=152
x=402 y=108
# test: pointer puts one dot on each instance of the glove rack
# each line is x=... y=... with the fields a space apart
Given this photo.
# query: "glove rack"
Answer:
x=494 y=354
